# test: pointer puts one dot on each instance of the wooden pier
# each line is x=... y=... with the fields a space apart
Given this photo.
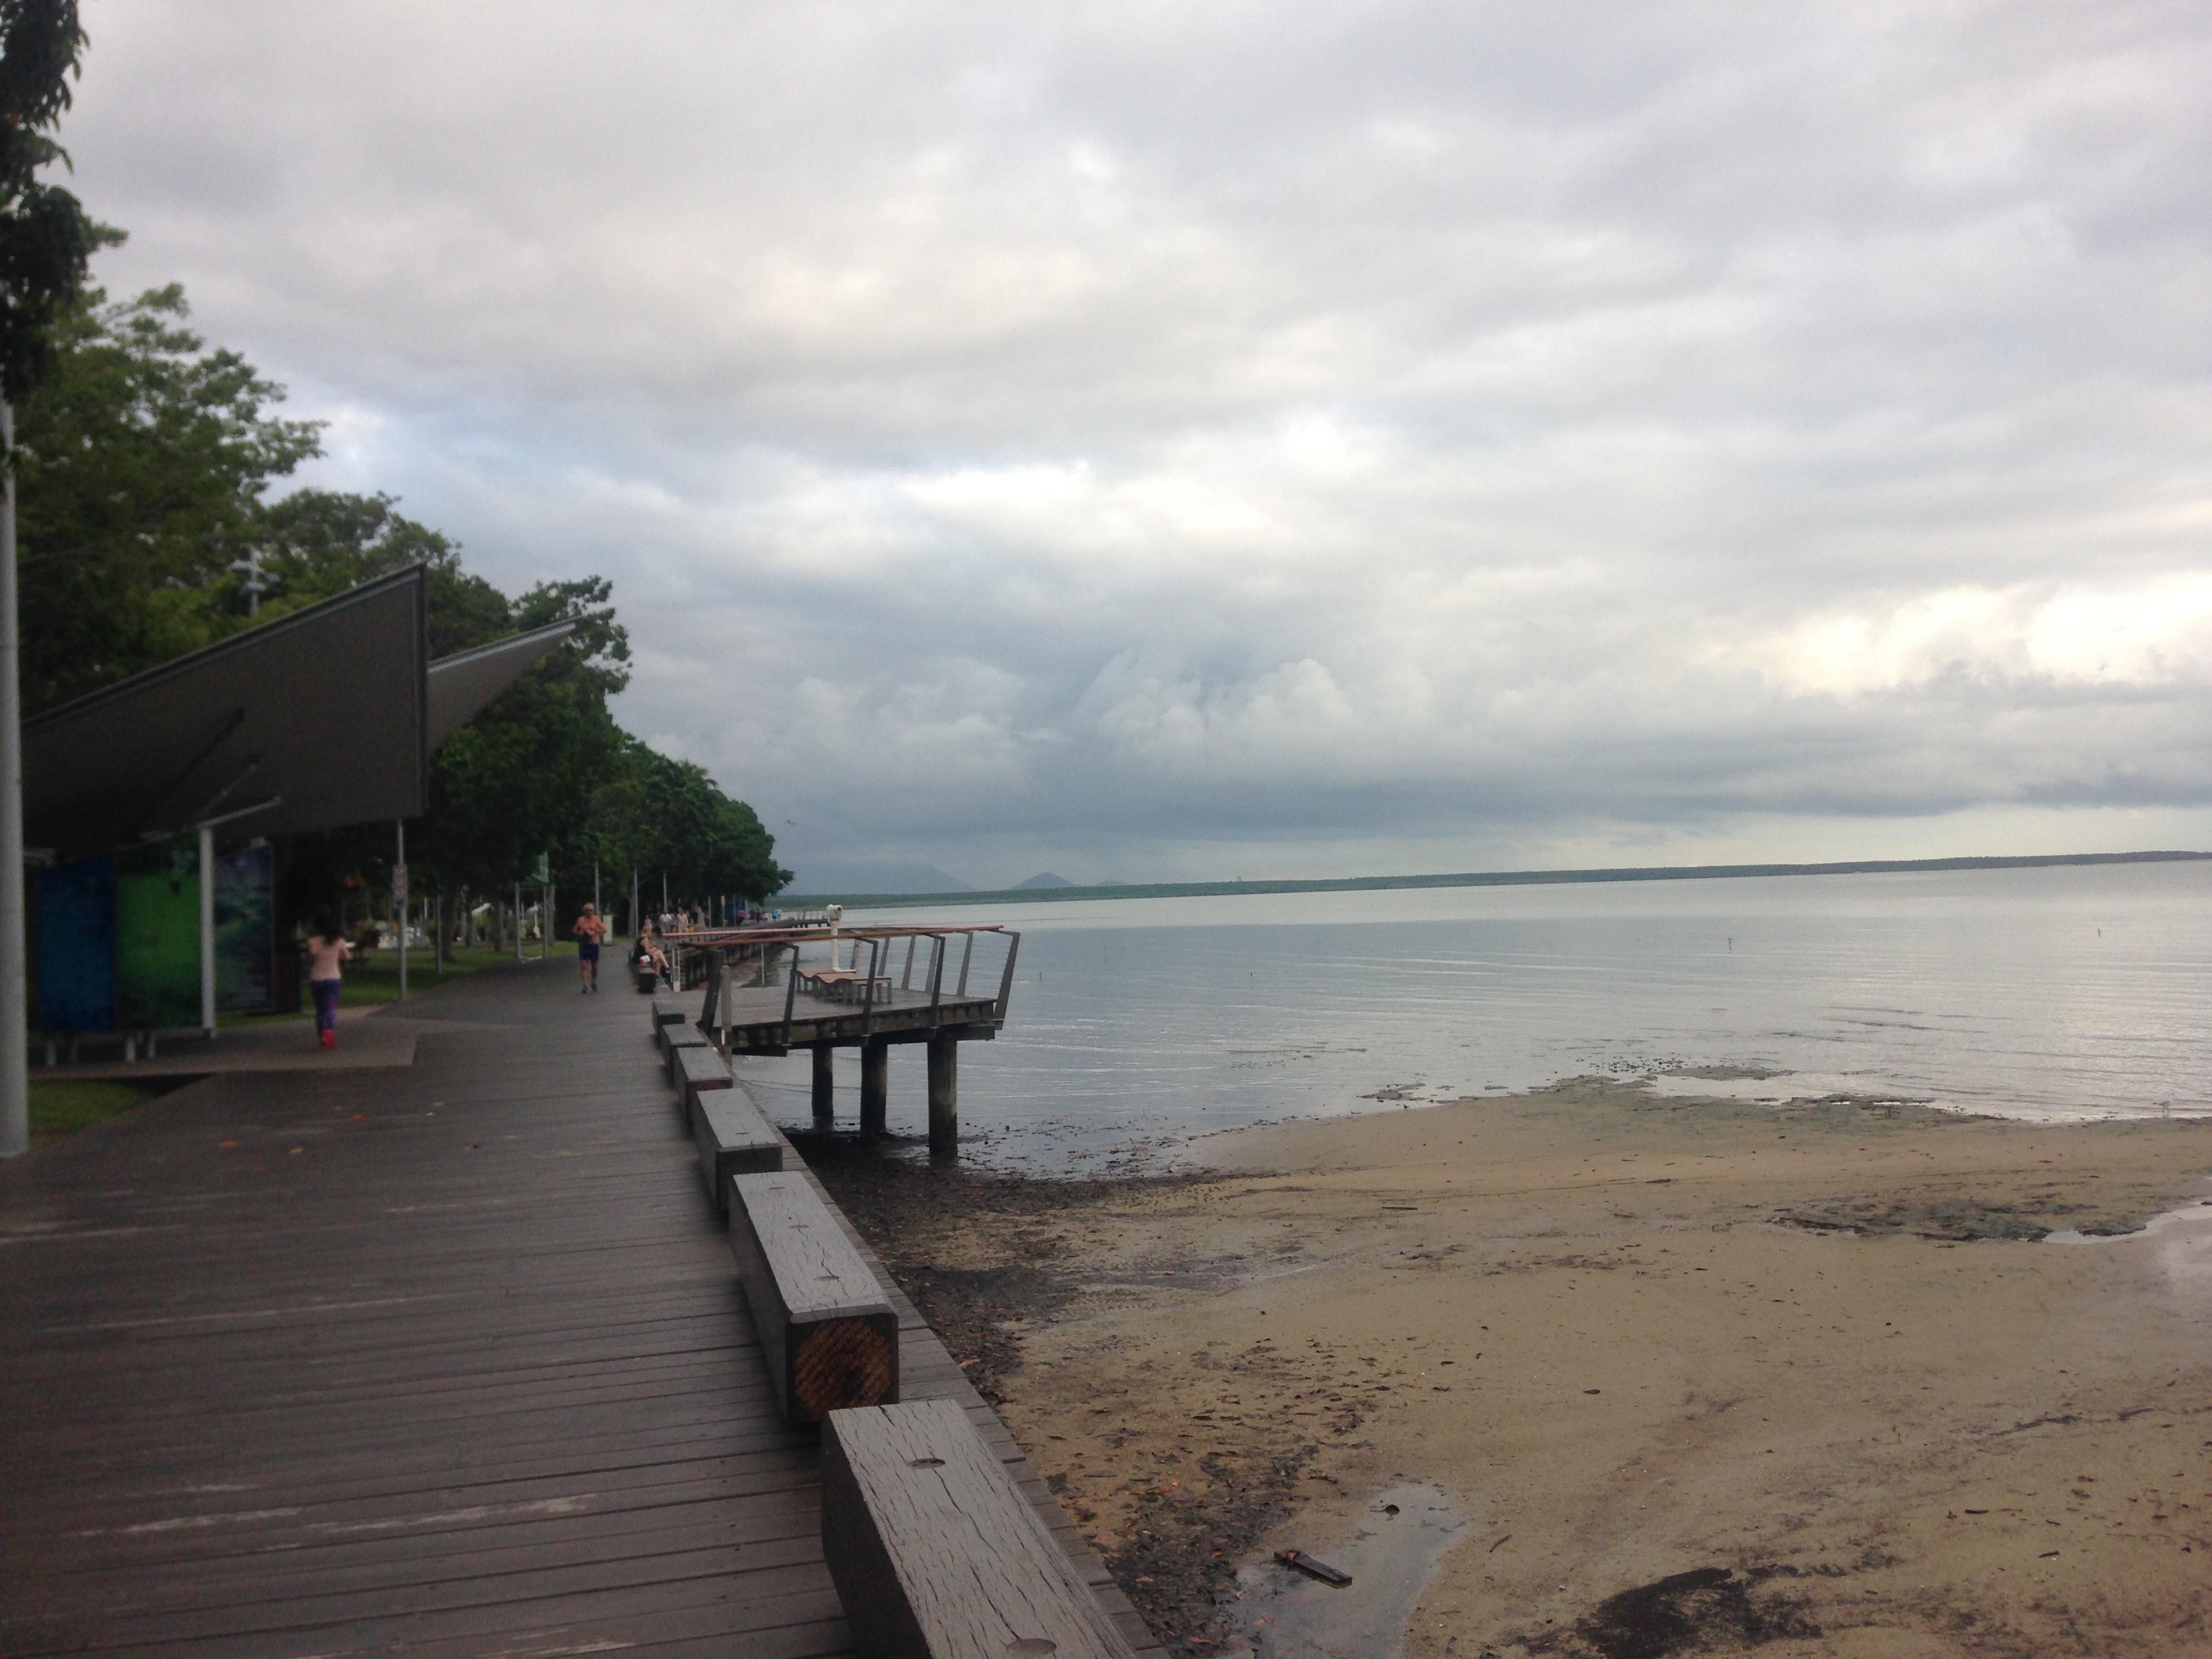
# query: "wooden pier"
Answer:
x=442 y=1360
x=905 y=984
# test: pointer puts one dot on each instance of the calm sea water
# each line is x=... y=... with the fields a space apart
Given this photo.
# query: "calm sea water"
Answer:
x=2053 y=994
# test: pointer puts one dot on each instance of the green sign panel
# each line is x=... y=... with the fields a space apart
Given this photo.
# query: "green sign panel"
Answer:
x=157 y=936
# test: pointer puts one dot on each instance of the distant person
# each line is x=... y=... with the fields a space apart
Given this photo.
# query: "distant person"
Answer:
x=590 y=930
x=327 y=950
x=650 y=952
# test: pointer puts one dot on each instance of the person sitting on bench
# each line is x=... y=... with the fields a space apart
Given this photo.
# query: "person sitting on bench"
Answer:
x=649 y=950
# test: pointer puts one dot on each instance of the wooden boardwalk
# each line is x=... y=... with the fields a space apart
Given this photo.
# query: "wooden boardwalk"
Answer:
x=442 y=1360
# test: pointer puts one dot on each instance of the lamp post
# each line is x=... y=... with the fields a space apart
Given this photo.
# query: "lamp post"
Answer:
x=14 y=981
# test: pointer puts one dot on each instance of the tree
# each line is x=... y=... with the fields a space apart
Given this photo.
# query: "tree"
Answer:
x=45 y=239
x=142 y=459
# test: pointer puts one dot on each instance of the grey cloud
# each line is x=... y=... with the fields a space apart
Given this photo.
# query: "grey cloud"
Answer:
x=1372 y=430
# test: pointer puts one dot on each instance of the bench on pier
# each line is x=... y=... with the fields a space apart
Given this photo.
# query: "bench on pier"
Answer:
x=828 y=1336
x=842 y=984
x=698 y=1068
x=934 y=1550
x=734 y=1138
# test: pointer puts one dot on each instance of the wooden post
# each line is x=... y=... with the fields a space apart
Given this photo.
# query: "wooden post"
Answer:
x=825 y=1100
x=875 y=1088
x=944 y=1095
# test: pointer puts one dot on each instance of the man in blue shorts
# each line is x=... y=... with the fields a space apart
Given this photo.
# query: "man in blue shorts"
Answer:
x=590 y=930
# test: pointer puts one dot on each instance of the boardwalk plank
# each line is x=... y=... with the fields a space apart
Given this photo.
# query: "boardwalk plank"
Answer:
x=445 y=1359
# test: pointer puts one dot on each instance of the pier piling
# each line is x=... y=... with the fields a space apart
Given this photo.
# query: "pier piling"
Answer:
x=875 y=1088
x=944 y=1095
x=825 y=1102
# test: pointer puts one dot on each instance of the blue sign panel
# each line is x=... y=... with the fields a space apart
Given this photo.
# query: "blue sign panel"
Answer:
x=76 y=946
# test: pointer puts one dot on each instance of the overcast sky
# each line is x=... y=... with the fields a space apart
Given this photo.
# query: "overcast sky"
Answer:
x=1149 y=440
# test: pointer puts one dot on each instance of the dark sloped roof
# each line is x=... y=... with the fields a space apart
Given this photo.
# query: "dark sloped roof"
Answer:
x=324 y=718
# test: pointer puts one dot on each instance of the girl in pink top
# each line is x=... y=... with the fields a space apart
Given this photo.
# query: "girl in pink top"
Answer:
x=326 y=948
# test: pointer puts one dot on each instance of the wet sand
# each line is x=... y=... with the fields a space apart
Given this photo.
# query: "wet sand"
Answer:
x=1690 y=1376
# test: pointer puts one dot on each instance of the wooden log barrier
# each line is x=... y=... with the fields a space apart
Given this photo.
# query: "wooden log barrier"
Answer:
x=734 y=1138
x=935 y=1552
x=667 y=1011
x=828 y=1337
x=699 y=1070
x=675 y=1040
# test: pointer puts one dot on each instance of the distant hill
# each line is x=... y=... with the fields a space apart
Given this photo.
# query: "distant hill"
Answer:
x=1042 y=878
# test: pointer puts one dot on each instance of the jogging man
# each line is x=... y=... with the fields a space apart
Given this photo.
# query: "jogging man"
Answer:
x=590 y=930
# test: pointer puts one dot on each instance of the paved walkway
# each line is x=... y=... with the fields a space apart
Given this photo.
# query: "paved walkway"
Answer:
x=443 y=1359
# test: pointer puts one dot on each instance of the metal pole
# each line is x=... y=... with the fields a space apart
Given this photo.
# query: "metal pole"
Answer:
x=402 y=896
x=207 y=929
x=14 y=979
x=518 y=921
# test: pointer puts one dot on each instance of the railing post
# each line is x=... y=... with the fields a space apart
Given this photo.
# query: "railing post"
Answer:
x=967 y=953
x=1006 y=980
x=716 y=969
x=936 y=974
x=790 y=995
x=868 y=996
x=906 y=974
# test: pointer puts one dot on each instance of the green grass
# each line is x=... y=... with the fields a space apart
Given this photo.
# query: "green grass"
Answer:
x=60 y=1109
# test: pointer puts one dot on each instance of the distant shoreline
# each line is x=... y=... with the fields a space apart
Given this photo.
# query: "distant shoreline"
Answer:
x=1475 y=878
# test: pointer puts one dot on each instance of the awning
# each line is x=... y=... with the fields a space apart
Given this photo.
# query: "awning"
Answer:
x=325 y=718
x=461 y=685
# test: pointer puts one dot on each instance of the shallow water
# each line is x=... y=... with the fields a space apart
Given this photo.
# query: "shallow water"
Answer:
x=2055 y=994
x=1392 y=1557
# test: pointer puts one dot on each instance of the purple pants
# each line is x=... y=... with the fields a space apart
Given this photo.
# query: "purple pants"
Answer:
x=326 y=1003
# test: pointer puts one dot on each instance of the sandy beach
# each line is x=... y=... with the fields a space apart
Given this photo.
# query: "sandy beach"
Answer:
x=1590 y=1372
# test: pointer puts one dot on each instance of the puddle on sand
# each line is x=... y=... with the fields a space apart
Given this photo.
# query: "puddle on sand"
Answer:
x=1286 y=1615
x=2183 y=1237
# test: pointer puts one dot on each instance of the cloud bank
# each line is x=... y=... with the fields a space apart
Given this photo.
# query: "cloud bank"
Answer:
x=1157 y=441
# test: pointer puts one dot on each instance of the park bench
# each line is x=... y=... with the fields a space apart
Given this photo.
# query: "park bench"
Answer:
x=828 y=1336
x=934 y=1550
x=734 y=1138
x=842 y=984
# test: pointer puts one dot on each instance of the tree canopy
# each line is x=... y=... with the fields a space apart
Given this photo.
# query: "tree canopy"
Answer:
x=147 y=465
x=45 y=237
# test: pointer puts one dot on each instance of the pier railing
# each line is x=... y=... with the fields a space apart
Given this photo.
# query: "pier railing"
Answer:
x=910 y=969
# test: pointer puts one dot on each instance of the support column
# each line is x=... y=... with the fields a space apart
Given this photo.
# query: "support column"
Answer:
x=207 y=930
x=875 y=1088
x=825 y=1100
x=402 y=897
x=944 y=1095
